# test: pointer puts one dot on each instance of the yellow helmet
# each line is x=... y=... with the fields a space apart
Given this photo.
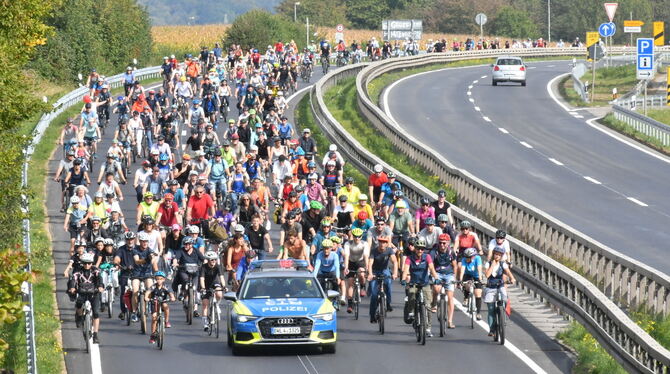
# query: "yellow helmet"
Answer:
x=183 y=79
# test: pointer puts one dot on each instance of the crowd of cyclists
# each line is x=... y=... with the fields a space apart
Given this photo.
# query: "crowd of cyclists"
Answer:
x=201 y=210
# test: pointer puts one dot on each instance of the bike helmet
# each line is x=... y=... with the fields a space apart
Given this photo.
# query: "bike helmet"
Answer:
x=225 y=143
x=444 y=237
x=299 y=189
x=292 y=194
x=130 y=235
x=425 y=201
x=172 y=182
x=401 y=205
x=398 y=193
x=336 y=239
x=348 y=180
x=357 y=232
x=430 y=221
x=159 y=274
x=168 y=196
x=343 y=198
x=86 y=258
x=420 y=243
x=498 y=249
x=149 y=194
x=239 y=229
x=77 y=161
x=217 y=152
x=99 y=239
x=390 y=175
x=442 y=218
x=74 y=200
x=311 y=164
x=143 y=237
x=501 y=234
x=211 y=255
x=193 y=229
x=196 y=102
x=362 y=197
x=326 y=222
x=108 y=241
x=327 y=243
x=149 y=221
x=332 y=147
x=164 y=157
x=362 y=215
x=378 y=168
x=188 y=240
x=315 y=205
x=441 y=193
x=465 y=224
x=96 y=219
x=80 y=243
x=412 y=241
x=470 y=252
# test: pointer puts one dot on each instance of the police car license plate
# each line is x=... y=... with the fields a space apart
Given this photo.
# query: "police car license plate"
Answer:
x=285 y=330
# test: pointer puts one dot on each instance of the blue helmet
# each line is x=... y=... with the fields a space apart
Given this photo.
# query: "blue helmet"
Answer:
x=159 y=274
x=196 y=101
x=120 y=98
x=164 y=157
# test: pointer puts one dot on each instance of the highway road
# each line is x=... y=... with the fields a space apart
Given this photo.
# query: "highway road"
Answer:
x=361 y=349
x=522 y=141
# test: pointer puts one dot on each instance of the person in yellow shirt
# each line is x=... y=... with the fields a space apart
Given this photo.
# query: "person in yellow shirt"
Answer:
x=148 y=207
x=98 y=208
x=363 y=206
x=350 y=190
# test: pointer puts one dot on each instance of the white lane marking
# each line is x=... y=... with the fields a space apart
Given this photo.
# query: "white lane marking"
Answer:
x=303 y=364
x=551 y=66
x=532 y=67
x=183 y=132
x=578 y=116
x=487 y=119
x=551 y=93
x=469 y=93
x=471 y=100
x=572 y=113
x=512 y=348
x=484 y=76
x=311 y=364
x=502 y=130
x=636 y=201
x=96 y=363
x=555 y=161
x=475 y=81
x=470 y=87
x=526 y=145
x=477 y=108
x=624 y=140
x=592 y=180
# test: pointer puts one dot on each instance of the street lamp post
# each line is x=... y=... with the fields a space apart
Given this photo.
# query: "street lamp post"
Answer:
x=295 y=11
x=549 y=20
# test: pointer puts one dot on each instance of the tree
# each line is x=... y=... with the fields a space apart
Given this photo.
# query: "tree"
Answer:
x=320 y=12
x=367 y=14
x=513 y=23
x=259 y=28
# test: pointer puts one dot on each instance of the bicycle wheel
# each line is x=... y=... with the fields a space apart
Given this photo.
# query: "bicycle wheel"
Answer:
x=357 y=300
x=110 y=302
x=87 y=331
x=191 y=306
x=215 y=315
x=143 y=319
x=211 y=318
x=127 y=317
x=501 y=325
x=381 y=313
x=442 y=315
x=417 y=324
x=422 y=325
x=160 y=333
x=473 y=311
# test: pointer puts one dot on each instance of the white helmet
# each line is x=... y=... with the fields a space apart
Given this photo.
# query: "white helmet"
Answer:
x=108 y=241
x=193 y=229
x=470 y=252
x=86 y=258
x=211 y=255
x=74 y=200
x=143 y=237
x=239 y=228
x=378 y=168
x=332 y=147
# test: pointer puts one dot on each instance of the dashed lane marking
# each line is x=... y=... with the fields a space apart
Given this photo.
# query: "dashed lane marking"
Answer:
x=526 y=145
x=592 y=180
x=555 y=161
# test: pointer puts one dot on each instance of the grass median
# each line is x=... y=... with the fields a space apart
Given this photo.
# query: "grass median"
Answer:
x=628 y=130
x=620 y=77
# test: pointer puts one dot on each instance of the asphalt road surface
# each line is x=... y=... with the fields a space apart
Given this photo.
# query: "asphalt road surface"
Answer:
x=360 y=349
x=521 y=141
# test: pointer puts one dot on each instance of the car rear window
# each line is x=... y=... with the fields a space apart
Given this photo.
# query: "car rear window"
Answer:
x=509 y=61
x=280 y=287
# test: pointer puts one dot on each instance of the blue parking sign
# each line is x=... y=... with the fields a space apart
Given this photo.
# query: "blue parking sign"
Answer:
x=645 y=46
x=645 y=58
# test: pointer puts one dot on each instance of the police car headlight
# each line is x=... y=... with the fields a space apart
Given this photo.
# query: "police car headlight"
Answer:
x=323 y=316
x=246 y=318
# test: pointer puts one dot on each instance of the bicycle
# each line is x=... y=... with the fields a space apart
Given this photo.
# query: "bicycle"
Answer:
x=214 y=314
x=325 y=64
x=142 y=309
x=381 y=303
x=469 y=288
x=160 y=324
x=356 y=297
x=329 y=284
x=86 y=326
x=306 y=72
x=442 y=315
x=108 y=293
x=189 y=290
x=499 y=317
x=420 y=314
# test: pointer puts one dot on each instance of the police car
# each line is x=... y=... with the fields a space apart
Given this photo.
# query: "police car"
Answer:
x=281 y=303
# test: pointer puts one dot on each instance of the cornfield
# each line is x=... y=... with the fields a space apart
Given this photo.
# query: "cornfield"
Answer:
x=182 y=37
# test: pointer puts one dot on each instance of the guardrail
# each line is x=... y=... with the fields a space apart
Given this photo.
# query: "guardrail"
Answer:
x=562 y=287
x=71 y=98
x=577 y=72
x=643 y=124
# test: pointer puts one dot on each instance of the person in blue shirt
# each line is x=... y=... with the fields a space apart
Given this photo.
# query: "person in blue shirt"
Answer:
x=285 y=130
x=364 y=223
x=470 y=268
x=386 y=198
x=321 y=236
x=218 y=175
x=379 y=266
x=178 y=193
x=327 y=266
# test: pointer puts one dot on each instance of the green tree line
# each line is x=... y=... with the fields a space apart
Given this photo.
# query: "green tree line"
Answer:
x=507 y=18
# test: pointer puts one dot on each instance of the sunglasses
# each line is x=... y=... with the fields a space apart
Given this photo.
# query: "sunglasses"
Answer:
x=199 y=192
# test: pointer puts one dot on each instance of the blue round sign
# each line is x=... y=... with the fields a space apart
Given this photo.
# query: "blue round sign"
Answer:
x=607 y=29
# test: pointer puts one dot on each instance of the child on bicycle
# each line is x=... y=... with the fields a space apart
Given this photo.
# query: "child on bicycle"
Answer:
x=155 y=295
x=86 y=284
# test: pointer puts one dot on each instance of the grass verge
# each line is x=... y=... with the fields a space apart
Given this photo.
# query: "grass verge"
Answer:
x=620 y=77
x=341 y=101
x=591 y=357
x=624 y=128
x=661 y=115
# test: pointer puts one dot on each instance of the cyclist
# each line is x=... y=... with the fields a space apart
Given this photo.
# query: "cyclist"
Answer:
x=157 y=297
x=211 y=285
x=293 y=247
x=430 y=234
x=500 y=241
x=68 y=135
x=331 y=182
x=103 y=102
x=325 y=55
x=363 y=206
x=424 y=212
x=495 y=269
x=145 y=266
x=321 y=235
x=375 y=182
x=75 y=219
x=350 y=190
x=218 y=175
x=258 y=236
x=327 y=266
x=356 y=258
x=184 y=262
x=416 y=270
x=385 y=201
x=467 y=239
x=89 y=129
x=470 y=268
x=74 y=263
x=401 y=224
x=86 y=284
x=343 y=214
x=148 y=207
x=362 y=222
x=443 y=224
x=444 y=262
x=379 y=230
x=126 y=263
x=379 y=266
x=113 y=167
x=442 y=206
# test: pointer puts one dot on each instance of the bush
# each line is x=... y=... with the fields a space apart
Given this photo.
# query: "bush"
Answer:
x=258 y=28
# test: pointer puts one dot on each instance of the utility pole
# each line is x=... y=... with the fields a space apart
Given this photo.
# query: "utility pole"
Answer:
x=295 y=11
x=549 y=20
x=307 y=34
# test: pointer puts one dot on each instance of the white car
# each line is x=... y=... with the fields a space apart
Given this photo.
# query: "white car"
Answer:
x=508 y=69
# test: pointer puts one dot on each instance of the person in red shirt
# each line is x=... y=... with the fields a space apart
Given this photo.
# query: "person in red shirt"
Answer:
x=168 y=214
x=279 y=47
x=375 y=182
x=200 y=206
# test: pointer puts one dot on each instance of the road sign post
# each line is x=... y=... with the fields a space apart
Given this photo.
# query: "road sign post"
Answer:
x=667 y=101
x=591 y=46
x=645 y=64
x=481 y=19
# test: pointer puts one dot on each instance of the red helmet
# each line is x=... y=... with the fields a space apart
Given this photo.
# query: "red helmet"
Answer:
x=362 y=215
x=169 y=196
x=444 y=237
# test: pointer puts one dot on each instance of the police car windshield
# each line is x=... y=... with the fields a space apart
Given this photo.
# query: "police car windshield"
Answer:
x=280 y=287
